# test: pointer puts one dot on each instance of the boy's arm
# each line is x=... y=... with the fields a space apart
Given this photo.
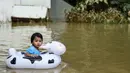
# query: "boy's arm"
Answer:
x=30 y=55
x=27 y=54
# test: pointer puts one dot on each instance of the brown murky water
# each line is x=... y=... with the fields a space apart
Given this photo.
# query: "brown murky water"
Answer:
x=90 y=48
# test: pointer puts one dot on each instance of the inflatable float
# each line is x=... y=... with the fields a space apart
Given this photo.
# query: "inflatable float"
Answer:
x=53 y=70
x=49 y=59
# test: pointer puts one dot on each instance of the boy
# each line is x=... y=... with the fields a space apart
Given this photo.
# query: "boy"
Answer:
x=36 y=41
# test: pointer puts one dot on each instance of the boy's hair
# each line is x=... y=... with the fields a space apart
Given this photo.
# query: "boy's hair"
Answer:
x=36 y=35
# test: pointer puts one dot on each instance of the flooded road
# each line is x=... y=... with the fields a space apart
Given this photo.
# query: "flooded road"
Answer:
x=90 y=48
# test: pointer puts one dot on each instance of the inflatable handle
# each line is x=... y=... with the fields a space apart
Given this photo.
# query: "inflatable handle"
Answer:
x=11 y=51
x=54 y=47
x=45 y=46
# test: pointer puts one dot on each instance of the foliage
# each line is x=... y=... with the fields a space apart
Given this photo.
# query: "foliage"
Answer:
x=80 y=14
x=111 y=15
x=83 y=4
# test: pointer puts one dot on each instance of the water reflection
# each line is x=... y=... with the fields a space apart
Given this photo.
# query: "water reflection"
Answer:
x=97 y=48
x=58 y=28
x=19 y=36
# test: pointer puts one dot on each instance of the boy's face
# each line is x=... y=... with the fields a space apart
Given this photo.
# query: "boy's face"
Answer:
x=37 y=42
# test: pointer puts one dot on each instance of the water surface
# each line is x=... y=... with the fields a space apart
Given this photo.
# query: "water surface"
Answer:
x=95 y=48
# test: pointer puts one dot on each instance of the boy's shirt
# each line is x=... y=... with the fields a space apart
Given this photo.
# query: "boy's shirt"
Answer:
x=33 y=50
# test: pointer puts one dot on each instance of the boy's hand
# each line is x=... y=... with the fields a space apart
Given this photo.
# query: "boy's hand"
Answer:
x=33 y=55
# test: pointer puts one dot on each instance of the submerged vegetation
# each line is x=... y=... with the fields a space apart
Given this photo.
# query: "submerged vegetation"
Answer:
x=95 y=11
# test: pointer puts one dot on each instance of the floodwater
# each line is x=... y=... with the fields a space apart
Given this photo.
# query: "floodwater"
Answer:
x=91 y=48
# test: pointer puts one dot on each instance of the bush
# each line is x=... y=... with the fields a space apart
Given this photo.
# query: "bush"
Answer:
x=111 y=15
x=81 y=13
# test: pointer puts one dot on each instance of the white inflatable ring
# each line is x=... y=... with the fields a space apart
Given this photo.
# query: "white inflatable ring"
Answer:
x=50 y=59
x=18 y=60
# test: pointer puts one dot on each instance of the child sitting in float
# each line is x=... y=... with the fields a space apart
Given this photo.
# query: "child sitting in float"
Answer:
x=36 y=41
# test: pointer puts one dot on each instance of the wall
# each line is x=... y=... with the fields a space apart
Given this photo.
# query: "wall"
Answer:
x=57 y=9
x=46 y=3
